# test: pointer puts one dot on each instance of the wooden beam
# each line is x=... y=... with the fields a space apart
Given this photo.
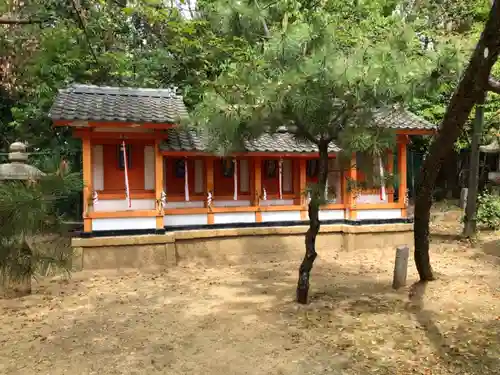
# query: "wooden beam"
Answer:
x=87 y=183
x=302 y=185
x=390 y=170
x=379 y=206
x=113 y=124
x=209 y=183
x=402 y=172
x=118 y=136
x=350 y=195
x=416 y=131
x=257 y=167
x=123 y=214
x=158 y=184
x=257 y=185
x=146 y=194
x=302 y=182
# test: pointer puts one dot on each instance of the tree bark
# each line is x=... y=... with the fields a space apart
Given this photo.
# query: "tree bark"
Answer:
x=314 y=225
x=471 y=207
x=474 y=83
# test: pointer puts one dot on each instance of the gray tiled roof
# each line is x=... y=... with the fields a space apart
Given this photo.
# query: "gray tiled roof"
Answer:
x=189 y=140
x=282 y=142
x=95 y=103
x=400 y=119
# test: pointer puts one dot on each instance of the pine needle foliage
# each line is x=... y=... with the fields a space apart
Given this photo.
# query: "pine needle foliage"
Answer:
x=30 y=226
x=319 y=70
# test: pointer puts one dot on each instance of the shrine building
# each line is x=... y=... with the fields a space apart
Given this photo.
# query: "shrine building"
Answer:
x=143 y=174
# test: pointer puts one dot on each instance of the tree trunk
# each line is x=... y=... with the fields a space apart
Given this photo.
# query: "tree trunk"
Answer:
x=471 y=87
x=471 y=207
x=314 y=225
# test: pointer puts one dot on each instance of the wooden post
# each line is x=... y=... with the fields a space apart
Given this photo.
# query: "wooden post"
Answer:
x=350 y=201
x=402 y=142
x=302 y=188
x=209 y=185
x=400 y=267
x=159 y=184
x=87 y=182
x=257 y=173
x=390 y=170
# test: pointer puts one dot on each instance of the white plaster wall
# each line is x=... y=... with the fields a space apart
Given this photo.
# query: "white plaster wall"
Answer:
x=378 y=214
x=276 y=202
x=234 y=217
x=287 y=175
x=331 y=214
x=370 y=199
x=98 y=167
x=182 y=220
x=184 y=204
x=107 y=205
x=149 y=168
x=198 y=176
x=124 y=223
x=280 y=216
x=231 y=203
x=244 y=176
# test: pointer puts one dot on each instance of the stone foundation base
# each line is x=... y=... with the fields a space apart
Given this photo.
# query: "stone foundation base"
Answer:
x=230 y=246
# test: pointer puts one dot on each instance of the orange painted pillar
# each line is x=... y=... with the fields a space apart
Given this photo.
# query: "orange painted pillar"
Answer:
x=390 y=170
x=302 y=189
x=350 y=201
x=159 y=184
x=402 y=142
x=257 y=187
x=87 y=182
x=209 y=184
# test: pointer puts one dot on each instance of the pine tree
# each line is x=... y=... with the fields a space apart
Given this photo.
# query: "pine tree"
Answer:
x=319 y=73
x=30 y=229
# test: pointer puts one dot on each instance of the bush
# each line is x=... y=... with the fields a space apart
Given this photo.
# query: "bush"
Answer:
x=488 y=211
x=30 y=230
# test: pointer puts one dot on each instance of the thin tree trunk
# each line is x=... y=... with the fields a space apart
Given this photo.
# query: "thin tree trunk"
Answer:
x=314 y=226
x=472 y=86
x=471 y=207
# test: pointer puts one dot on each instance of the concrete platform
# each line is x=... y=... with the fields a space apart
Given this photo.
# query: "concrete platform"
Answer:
x=230 y=246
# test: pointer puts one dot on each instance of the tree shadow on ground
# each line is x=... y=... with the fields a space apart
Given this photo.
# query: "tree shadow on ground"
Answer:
x=488 y=251
x=468 y=348
x=492 y=248
x=436 y=237
x=216 y=320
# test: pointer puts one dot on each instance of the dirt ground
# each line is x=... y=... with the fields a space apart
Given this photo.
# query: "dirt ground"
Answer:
x=242 y=320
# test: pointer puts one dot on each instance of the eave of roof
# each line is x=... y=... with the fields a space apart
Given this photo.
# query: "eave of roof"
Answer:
x=181 y=140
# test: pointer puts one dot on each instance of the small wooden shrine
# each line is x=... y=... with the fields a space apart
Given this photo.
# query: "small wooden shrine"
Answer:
x=142 y=173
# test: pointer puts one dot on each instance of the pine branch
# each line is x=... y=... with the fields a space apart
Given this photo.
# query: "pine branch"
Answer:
x=84 y=29
x=264 y=24
x=302 y=131
x=14 y=21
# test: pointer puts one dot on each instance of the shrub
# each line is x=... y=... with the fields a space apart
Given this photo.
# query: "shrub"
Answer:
x=488 y=212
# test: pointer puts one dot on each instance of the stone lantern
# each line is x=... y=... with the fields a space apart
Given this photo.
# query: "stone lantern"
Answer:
x=17 y=169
